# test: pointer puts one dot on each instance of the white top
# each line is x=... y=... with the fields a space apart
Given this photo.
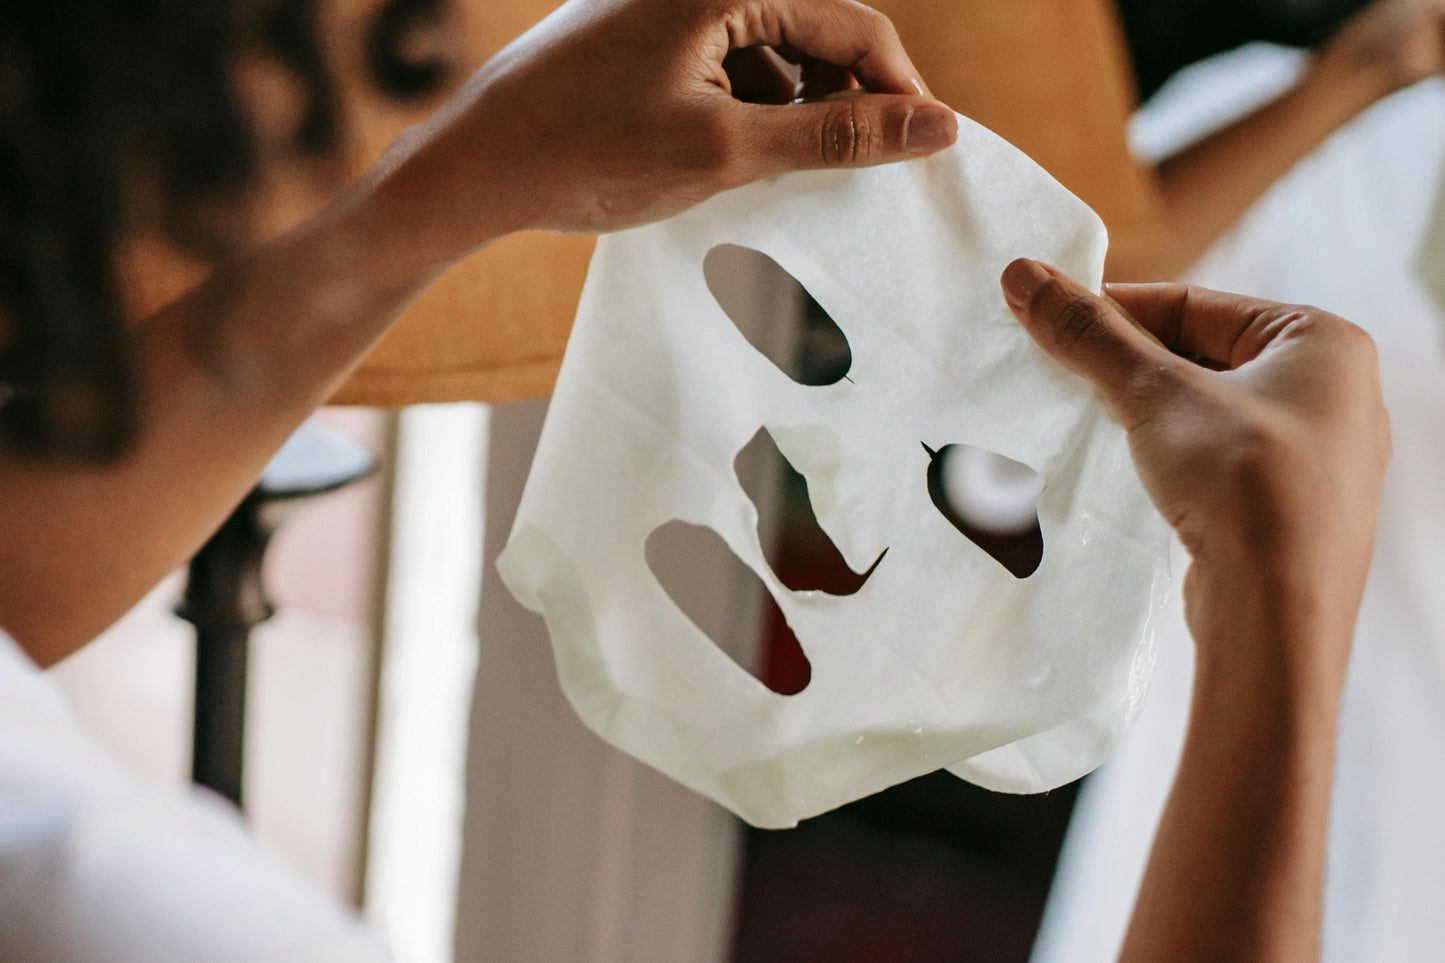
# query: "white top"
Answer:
x=1341 y=232
x=97 y=867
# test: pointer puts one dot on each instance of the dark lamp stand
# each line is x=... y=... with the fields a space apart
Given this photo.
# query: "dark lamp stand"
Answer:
x=225 y=596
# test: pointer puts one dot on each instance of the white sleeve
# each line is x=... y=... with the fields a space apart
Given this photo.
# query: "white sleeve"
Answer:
x=96 y=867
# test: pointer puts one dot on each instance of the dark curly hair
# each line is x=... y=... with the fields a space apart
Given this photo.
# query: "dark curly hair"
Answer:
x=98 y=98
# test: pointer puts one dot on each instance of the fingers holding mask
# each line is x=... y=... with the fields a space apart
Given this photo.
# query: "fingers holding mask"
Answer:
x=864 y=101
x=1243 y=463
x=612 y=113
x=843 y=33
x=1090 y=336
x=1216 y=328
x=847 y=131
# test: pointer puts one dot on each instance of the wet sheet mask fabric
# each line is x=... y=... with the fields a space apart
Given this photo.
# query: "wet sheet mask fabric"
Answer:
x=943 y=658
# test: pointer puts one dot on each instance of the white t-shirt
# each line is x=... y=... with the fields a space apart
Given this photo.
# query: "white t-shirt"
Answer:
x=97 y=867
x=1341 y=232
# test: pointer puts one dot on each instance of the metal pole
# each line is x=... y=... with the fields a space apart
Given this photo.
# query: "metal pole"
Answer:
x=225 y=599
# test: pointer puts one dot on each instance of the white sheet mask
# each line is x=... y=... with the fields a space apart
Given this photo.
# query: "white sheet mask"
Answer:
x=942 y=658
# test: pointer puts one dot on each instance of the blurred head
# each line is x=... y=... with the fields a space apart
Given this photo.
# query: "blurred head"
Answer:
x=124 y=116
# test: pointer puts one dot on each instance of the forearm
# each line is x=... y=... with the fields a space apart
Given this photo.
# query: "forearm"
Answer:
x=1204 y=190
x=224 y=376
x=1237 y=868
x=604 y=116
x=1266 y=451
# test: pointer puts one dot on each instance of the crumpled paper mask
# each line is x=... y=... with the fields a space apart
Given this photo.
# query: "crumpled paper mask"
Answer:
x=942 y=658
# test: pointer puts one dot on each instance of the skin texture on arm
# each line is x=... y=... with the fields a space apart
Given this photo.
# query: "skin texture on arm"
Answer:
x=1259 y=431
x=533 y=141
x=1204 y=190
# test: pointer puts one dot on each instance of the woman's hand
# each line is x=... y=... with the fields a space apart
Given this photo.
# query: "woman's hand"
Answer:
x=611 y=113
x=1259 y=431
x=1266 y=453
x=1396 y=43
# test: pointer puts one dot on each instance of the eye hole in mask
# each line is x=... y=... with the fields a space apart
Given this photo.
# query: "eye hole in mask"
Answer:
x=764 y=302
x=691 y=562
x=992 y=500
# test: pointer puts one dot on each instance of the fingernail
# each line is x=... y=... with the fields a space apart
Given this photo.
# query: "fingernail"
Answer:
x=929 y=129
x=1021 y=279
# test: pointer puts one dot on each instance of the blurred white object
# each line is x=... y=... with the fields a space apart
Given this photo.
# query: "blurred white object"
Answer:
x=1430 y=264
x=990 y=492
x=1210 y=95
x=429 y=662
x=96 y=867
x=1342 y=232
x=943 y=658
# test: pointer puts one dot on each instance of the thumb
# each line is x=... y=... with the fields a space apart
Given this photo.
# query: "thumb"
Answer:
x=854 y=130
x=1090 y=336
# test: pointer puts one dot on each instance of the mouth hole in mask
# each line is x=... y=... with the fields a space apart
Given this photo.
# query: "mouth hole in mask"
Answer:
x=992 y=500
x=797 y=549
x=777 y=315
x=728 y=603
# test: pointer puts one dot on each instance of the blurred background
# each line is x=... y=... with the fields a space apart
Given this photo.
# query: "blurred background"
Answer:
x=406 y=743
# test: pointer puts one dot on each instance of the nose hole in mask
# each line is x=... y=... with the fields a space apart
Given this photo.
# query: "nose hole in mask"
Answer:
x=728 y=603
x=797 y=549
x=992 y=500
x=777 y=315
